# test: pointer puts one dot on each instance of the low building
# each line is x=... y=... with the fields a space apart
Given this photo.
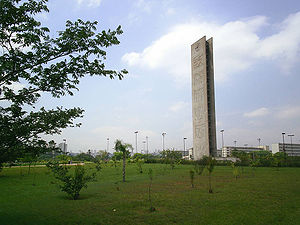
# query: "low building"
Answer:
x=226 y=150
x=289 y=149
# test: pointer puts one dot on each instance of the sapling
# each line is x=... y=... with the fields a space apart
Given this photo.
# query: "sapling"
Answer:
x=192 y=174
x=150 y=173
x=71 y=183
x=124 y=149
x=210 y=167
x=139 y=164
x=235 y=171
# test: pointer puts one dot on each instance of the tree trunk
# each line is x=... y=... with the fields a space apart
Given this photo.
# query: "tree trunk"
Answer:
x=209 y=180
x=124 y=161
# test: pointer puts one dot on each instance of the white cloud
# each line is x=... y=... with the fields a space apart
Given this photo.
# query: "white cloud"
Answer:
x=257 y=113
x=178 y=106
x=237 y=46
x=145 y=6
x=289 y=112
x=89 y=3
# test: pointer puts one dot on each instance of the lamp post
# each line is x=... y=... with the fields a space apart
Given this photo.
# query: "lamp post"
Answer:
x=147 y=145
x=291 y=136
x=136 y=133
x=184 y=139
x=283 y=147
x=144 y=143
x=222 y=132
x=107 y=148
x=258 y=141
x=163 y=140
x=235 y=143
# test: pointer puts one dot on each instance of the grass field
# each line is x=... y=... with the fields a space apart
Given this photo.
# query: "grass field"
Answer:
x=267 y=196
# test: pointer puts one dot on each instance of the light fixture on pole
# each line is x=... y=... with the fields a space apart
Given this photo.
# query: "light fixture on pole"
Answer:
x=184 y=147
x=163 y=139
x=144 y=143
x=136 y=133
x=235 y=143
x=283 y=147
x=147 y=145
x=258 y=141
x=291 y=136
x=222 y=132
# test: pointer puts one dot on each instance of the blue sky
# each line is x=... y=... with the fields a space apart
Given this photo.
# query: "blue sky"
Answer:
x=256 y=57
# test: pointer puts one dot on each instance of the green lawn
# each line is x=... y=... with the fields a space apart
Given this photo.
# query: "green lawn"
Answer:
x=269 y=196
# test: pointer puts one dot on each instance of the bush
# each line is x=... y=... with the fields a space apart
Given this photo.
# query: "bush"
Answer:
x=71 y=183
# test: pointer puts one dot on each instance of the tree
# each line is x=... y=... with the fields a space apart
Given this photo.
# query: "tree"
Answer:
x=83 y=157
x=210 y=167
x=171 y=157
x=124 y=148
x=71 y=183
x=150 y=173
x=38 y=63
x=103 y=155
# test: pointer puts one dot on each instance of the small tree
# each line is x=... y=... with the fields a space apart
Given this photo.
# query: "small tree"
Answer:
x=103 y=155
x=210 y=167
x=235 y=171
x=139 y=164
x=200 y=165
x=125 y=149
x=150 y=173
x=192 y=174
x=171 y=157
x=71 y=183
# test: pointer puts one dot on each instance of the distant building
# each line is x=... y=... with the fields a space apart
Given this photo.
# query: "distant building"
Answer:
x=289 y=149
x=184 y=154
x=219 y=153
x=226 y=150
x=63 y=147
x=191 y=154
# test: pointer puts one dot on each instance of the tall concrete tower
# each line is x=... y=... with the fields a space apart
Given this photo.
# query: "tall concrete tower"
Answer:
x=203 y=99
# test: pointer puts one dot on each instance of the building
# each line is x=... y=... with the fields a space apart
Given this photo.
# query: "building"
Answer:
x=63 y=147
x=289 y=149
x=203 y=99
x=226 y=150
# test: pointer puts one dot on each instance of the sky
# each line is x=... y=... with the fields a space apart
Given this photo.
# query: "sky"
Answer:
x=256 y=59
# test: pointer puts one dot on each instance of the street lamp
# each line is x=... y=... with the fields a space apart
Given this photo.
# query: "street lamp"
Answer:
x=184 y=139
x=163 y=136
x=136 y=133
x=258 y=141
x=291 y=136
x=147 y=145
x=144 y=143
x=235 y=143
x=222 y=132
x=283 y=147
x=107 y=148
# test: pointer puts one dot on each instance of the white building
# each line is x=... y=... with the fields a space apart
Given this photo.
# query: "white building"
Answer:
x=289 y=149
x=226 y=150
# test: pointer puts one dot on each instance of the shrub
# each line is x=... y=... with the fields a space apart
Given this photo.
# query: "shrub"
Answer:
x=139 y=164
x=192 y=173
x=71 y=183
